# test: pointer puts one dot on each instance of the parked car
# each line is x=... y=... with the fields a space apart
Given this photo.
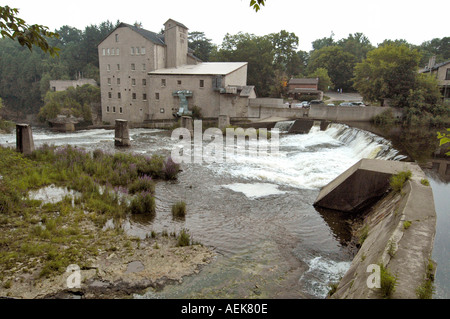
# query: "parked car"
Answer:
x=330 y=104
x=345 y=104
x=297 y=105
x=361 y=104
x=316 y=102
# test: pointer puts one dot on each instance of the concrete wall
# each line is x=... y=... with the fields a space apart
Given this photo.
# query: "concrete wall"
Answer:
x=62 y=85
x=340 y=113
x=238 y=77
x=176 y=38
x=404 y=252
x=256 y=111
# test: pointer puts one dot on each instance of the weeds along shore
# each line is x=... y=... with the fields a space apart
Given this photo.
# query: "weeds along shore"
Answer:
x=40 y=240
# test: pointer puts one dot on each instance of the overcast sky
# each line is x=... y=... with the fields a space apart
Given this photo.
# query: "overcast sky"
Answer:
x=414 y=21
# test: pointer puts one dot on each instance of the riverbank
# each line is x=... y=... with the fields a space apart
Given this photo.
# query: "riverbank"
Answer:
x=79 y=221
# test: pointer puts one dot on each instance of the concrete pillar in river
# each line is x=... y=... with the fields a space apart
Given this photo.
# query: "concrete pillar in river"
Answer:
x=187 y=122
x=122 y=134
x=24 y=139
x=224 y=121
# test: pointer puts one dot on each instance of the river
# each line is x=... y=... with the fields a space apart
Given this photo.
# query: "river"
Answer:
x=257 y=214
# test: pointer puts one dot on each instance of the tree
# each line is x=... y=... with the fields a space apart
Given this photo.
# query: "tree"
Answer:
x=324 y=79
x=15 y=28
x=357 y=44
x=337 y=62
x=284 y=46
x=201 y=46
x=323 y=42
x=388 y=72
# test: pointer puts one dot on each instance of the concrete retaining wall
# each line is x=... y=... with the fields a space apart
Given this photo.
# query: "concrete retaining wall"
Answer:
x=404 y=251
x=340 y=113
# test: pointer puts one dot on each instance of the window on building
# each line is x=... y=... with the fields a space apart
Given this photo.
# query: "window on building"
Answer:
x=117 y=51
x=134 y=96
x=108 y=52
x=202 y=83
x=104 y=51
x=117 y=38
x=144 y=97
x=54 y=88
x=109 y=95
x=179 y=82
x=144 y=67
x=119 y=95
x=108 y=67
x=144 y=82
x=109 y=81
x=118 y=67
x=118 y=81
x=114 y=109
x=156 y=96
x=163 y=82
x=447 y=75
x=137 y=51
x=120 y=110
x=143 y=50
x=133 y=66
x=107 y=109
x=132 y=50
x=133 y=82
x=113 y=51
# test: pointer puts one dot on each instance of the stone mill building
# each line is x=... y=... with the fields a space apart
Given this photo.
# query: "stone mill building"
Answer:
x=145 y=76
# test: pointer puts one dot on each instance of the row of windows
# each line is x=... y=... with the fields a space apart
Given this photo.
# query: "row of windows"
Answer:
x=179 y=82
x=133 y=95
x=133 y=81
x=108 y=109
x=112 y=51
x=132 y=67
x=116 y=51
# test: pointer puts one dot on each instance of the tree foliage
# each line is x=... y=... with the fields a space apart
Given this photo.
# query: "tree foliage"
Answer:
x=15 y=28
x=201 y=45
x=256 y=4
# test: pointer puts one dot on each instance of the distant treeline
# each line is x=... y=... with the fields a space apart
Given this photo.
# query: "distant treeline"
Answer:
x=273 y=59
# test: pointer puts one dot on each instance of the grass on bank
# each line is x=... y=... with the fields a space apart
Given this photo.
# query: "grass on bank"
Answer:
x=46 y=238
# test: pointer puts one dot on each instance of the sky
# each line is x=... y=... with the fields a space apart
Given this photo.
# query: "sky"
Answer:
x=414 y=21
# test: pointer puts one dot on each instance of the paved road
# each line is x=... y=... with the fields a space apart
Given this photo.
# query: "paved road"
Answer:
x=348 y=97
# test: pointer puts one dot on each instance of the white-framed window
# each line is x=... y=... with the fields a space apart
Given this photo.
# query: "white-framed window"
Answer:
x=104 y=51
x=120 y=110
x=107 y=109
x=117 y=38
x=108 y=67
x=137 y=50
x=109 y=81
x=113 y=51
x=117 y=51
x=144 y=67
x=108 y=52
x=133 y=67
x=132 y=50
x=143 y=50
x=133 y=82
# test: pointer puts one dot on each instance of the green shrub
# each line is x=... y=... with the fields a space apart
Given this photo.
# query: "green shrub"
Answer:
x=143 y=203
x=406 y=224
x=142 y=184
x=397 y=181
x=179 y=210
x=184 y=239
x=387 y=281
x=425 y=182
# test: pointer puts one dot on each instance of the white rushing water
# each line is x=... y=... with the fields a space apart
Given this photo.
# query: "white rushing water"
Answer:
x=310 y=161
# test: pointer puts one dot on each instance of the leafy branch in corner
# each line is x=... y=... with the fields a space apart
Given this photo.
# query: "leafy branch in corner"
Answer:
x=256 y=4
x=15 y=28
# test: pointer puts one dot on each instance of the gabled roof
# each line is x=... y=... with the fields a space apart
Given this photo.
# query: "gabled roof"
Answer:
x=149 y=35
x=177 y=23
x=435 y=67
x=304 y=81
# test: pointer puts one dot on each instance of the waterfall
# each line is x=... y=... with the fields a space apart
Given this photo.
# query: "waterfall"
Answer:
x=363 y=143
x=284 y=126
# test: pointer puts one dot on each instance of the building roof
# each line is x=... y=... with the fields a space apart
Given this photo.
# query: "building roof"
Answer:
x=304 y=81
x=435 y=67
x=205 y=68
x=177 y=23
x=149 y=35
